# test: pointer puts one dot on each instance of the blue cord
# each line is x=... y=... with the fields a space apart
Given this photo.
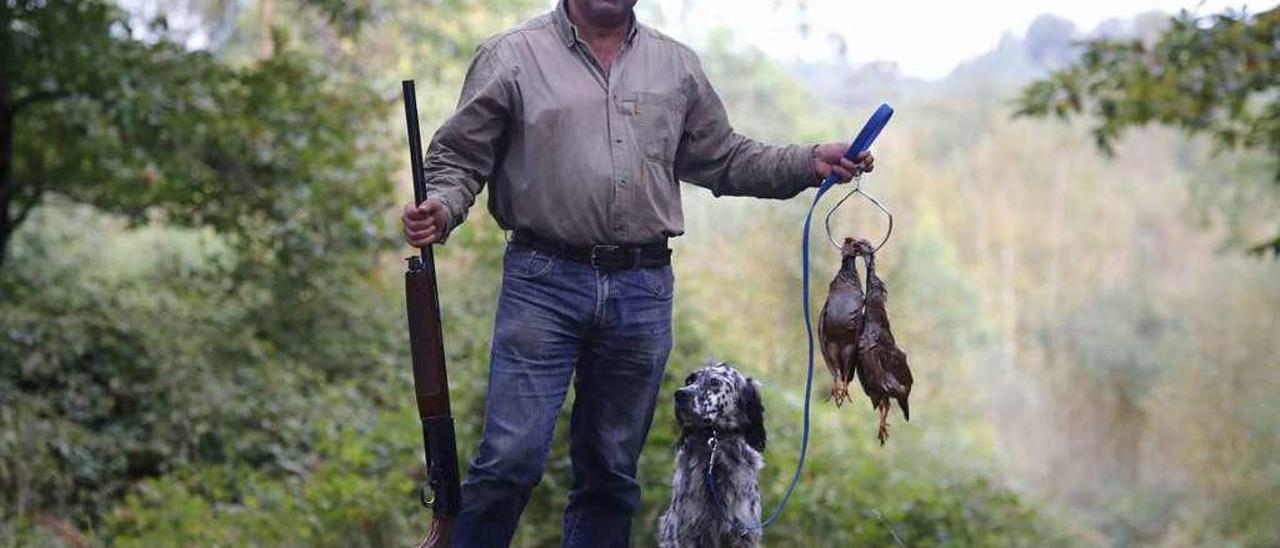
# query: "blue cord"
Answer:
x=860 y=144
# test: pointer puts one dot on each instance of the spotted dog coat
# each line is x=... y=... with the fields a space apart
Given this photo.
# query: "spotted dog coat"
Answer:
x=716 y=400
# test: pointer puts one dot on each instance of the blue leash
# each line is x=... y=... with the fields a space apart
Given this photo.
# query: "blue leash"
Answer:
x=860 y=144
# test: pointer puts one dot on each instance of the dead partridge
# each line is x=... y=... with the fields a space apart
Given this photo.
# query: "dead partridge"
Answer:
x=841 y=321
x=882 y=366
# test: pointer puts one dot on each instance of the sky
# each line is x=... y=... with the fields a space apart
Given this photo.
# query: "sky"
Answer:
x=925 y=38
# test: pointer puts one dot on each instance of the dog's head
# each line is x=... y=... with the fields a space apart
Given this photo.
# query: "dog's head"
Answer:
x=718 y=397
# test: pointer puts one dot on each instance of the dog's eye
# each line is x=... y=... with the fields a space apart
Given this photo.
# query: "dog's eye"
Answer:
x=689 y=380
x=713 y=383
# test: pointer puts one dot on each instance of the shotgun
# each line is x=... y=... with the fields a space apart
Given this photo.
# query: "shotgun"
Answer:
x=430 y=380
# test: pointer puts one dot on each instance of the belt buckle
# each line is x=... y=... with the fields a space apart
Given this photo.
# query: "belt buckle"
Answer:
x=595 y=254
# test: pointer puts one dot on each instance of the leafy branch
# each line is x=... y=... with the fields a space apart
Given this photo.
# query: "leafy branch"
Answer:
x=1217 y=75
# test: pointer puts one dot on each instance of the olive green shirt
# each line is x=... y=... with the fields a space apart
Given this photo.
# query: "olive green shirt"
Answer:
x=584 y=156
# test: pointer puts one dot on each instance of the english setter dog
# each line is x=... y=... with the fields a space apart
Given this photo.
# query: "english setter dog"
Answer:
x=721 y=417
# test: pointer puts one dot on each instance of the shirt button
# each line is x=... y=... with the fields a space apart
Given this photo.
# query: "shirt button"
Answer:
x=622 y=182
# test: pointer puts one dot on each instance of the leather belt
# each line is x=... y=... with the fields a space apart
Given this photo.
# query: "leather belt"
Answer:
x=608 y=257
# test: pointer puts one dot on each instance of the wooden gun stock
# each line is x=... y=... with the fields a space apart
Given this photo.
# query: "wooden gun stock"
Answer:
x=440 y=535
x=430 y=378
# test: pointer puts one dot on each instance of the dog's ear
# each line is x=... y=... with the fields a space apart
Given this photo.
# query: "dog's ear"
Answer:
x=752 y=408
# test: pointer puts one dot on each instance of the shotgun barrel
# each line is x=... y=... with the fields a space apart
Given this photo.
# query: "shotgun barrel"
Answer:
x=430 y=378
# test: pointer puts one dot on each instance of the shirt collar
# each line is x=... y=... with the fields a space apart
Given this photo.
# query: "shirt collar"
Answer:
x=569 y=31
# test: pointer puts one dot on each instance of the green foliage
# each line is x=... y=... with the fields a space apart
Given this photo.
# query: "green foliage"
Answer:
x=357 y=492
x=345 y=15
x=1217 y=76
x=153 y=131
x=108 y=380
x=201 y=352
x=227 y=438
x=137 y=379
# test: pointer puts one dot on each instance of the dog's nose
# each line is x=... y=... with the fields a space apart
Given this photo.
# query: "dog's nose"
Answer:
x=683 y=396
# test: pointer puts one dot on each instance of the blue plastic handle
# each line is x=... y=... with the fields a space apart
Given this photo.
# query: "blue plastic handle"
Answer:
x=862 y=142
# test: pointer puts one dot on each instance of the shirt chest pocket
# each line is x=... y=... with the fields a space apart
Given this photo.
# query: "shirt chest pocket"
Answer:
x=657 y=120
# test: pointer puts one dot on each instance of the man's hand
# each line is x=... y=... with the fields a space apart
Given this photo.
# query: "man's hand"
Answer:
x=425 y=223
x=830 y=157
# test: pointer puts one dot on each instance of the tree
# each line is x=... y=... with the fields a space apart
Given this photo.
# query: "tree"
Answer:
x=1218 y=76
x=278 y=155
x=96 y=110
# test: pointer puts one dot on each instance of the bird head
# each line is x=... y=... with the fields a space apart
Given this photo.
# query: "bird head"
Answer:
x=849 y=248
x=854 y=247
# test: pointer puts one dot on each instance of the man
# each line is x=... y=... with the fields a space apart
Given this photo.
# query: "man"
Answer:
x=583 y=121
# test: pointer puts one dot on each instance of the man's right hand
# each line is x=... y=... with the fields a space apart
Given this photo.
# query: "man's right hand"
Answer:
x=425 y=223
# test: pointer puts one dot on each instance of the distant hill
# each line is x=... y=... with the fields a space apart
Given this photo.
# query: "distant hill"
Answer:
x=1049 y=42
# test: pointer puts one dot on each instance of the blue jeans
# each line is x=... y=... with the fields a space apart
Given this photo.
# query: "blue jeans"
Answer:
x=609 y=332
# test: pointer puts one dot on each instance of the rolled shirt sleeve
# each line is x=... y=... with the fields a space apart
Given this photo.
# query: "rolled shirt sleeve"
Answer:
x=465 y=150
x=714 y=156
